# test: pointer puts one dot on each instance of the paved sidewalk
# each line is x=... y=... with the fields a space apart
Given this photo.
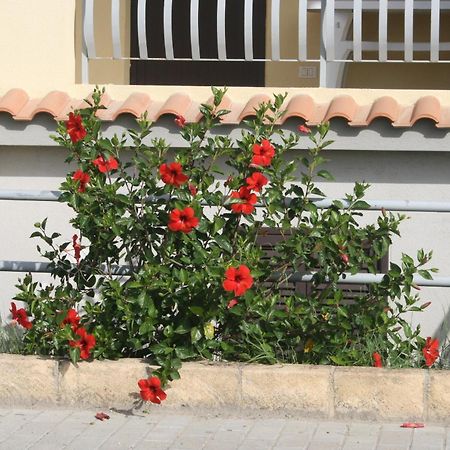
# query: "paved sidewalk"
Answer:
x=162 y=428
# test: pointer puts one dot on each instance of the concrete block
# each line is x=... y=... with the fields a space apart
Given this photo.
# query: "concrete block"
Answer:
x=102 y=383
x=292 y=387
x=205 y=384
x=438 y=396
x=27 y=381
x=368 y=393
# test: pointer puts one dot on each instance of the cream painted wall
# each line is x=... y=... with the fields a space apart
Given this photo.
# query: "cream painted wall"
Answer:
x=37 y=43
x=393 y=175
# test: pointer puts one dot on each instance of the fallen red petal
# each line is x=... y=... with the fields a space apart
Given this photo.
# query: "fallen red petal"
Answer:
x=412 y=425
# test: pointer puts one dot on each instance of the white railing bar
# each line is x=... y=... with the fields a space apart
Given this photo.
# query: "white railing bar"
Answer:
x=357 y=30
x=142 y=31
x=248 y=30
x=330 y=37
x=382 y=30
x=167 y=23
x=295 y=60
x=409 y=29
x=398 y=5
x=302 y=30
x=115 y=28
x=434 y=35
x=400 y=46
x=323 y=46
x=294 y=277
x=195 y=42
x=221 y=31
x=323 y=203
x=88 y=28
x=275 y=29
x=84 y=52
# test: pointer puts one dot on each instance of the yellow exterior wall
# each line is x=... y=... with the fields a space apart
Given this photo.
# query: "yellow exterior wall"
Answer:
x=37 y=43
x=41 y=47
x=286 y=74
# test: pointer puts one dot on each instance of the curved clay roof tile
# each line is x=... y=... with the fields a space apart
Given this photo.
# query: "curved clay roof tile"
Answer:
x=177 y=104
x=427 y=107
x=300 y=106
x=136 y=104
x=342 y=106
x=252 y=105
x=384 y=107
x=13 y=101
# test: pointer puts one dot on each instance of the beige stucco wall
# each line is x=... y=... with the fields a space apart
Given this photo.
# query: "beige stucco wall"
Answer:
x=37 y=43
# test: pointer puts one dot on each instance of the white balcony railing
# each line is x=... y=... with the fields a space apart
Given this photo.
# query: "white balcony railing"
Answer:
x=339 y=20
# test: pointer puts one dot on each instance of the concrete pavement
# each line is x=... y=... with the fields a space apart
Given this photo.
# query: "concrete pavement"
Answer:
x=166 y=428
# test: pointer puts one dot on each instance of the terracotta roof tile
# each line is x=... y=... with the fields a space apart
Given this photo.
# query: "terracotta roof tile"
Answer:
x=58 y=104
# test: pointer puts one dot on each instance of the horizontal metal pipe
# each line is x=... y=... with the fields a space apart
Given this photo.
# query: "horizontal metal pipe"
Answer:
x=347 y=278
x=35 y=196
x=43 y=267
x=322 y=203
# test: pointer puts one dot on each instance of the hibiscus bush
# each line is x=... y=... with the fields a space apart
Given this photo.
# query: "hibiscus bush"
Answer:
x=166 y=262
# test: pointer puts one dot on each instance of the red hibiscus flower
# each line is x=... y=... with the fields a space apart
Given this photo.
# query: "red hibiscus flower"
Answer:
x=76 y=248
x=72 y=318
x=183 y=220
x=238 y=280
x=75 y=128
x=20 y=316
x=192 y=189
x=431 y=351
x=377 y=362
x=256 y=181
x=173 y=174
x=106 y=166
x=344 y=257
x=304 y=129
x=232 y=303
x=86 y=343
x=151 y=390
x=180 y=121
x=248 y=200
x=263 y=153
x=83 y=178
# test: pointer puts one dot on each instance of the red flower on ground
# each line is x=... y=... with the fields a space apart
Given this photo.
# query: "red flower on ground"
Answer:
x=263 y=153
x=183 y=220
x=75 y=128
x=106 y=166
x=151 y=390
x=431 y=351
x=238 y=280
x=20 y=316
x=256 y=181
x=232 y=303
x=248 y=201
x=86 y=343
x=180 y=121
x=76 y=248
x=173 y=174
x=83 y=179
x=377 y=362
x=304 y=129
x=72 y=318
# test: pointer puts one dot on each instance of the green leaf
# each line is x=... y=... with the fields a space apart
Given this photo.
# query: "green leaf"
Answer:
x=197 y=310
x=325 y=174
